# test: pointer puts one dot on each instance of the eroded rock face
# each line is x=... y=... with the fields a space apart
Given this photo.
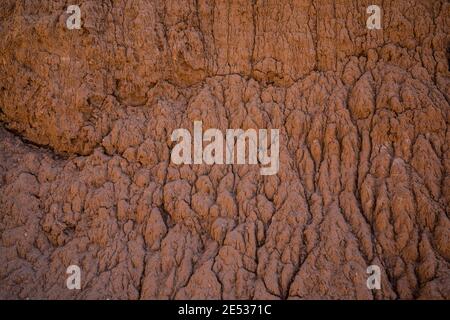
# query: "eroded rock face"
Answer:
x=85 y=171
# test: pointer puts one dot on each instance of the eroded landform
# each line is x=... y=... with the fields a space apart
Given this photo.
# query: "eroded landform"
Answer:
x=85 y=171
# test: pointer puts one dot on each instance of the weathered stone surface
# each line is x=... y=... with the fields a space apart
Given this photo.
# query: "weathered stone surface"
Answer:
x=85 y=172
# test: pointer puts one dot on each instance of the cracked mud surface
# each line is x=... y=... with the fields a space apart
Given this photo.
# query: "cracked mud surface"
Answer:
x=85 y=171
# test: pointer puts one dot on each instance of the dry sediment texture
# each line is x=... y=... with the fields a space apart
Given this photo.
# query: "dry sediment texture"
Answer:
x=85 y=172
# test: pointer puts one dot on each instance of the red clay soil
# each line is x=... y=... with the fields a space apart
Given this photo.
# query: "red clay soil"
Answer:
x=85 y=172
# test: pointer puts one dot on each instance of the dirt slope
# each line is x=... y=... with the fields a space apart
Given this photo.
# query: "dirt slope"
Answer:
x=85 y=172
